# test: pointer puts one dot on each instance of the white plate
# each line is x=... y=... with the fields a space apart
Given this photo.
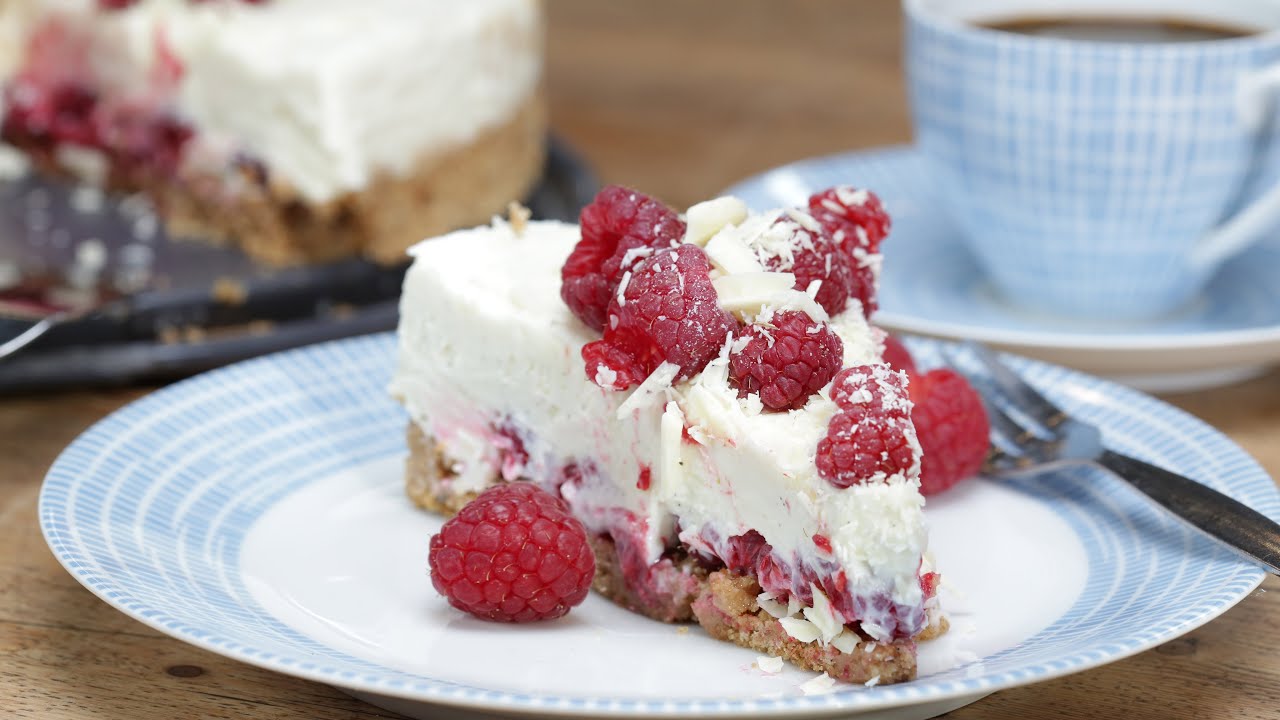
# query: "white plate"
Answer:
x=257 y=511
x=932 y=286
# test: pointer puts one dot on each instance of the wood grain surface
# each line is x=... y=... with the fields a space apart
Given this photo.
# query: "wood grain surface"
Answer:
x=681 y=99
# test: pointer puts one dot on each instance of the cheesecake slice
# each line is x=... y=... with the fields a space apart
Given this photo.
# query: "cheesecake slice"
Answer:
x=300 y=130
x=704 y=503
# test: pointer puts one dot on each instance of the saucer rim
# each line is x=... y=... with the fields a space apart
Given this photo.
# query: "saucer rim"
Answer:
x=1239 y=339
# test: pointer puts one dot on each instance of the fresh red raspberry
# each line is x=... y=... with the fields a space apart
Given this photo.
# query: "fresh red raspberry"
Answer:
x=868 y=438
x=858 y=213
x=898 y=356
x=815 y=256
x=668 y=312
x=786 y=361
x=952 y=426
x=861 y=447
x=514 y=554
x=863 y=385
x=619 y=228
x=857 y=223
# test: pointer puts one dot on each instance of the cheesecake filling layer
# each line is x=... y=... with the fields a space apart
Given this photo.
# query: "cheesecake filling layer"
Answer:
x=490 y=368
x=315 y=91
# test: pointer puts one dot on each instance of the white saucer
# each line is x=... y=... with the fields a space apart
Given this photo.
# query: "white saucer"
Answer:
x=932 y=286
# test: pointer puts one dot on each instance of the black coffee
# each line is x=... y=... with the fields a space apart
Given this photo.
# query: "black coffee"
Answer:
x=1121 y=29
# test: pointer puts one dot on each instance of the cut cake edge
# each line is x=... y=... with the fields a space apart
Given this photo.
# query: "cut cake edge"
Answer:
x=722 y=602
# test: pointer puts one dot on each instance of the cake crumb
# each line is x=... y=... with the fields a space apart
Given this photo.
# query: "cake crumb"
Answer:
x=91 y=253
x=145 y=228
x=518 y=216
x=229 y=291
x=342 y=311
x=193 y=334
x=87 y=199
x=822 y=684
x=260 y=327
x=10 y=274
x=169 y=335
x=13 y=164
x=769 y=665
x=682 y=630
x=88 y=166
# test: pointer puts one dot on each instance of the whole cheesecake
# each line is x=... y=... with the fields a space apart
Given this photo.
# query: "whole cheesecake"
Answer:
x=708 y=498
x=302 y=130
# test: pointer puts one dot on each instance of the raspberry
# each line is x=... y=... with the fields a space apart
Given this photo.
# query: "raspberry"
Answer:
x=952 y=426
x=815 y=256
x=147 y=142
x=858 y=213
x=744 y=553
x=857 y=223
x=898 y=356
x=619 y=228
x=514 y=554
x=668 y=312
x=868 y=438
x=929 y=582
x=786 y=361
x=870 y=385
x=40 y=116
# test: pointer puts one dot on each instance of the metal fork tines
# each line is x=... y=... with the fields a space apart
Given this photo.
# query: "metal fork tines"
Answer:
x=1032 y=435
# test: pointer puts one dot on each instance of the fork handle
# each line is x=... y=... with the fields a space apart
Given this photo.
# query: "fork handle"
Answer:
x=1244 y=529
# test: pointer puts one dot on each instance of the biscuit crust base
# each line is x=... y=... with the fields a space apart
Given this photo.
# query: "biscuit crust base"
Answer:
x=723 y=603
x=244 y=205
x=271 y=222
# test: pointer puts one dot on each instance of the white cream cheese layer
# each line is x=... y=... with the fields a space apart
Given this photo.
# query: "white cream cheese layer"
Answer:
x=484 y=338
x=327 y=93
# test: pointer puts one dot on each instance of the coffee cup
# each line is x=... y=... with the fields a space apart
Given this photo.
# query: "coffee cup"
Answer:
x=1096 y=166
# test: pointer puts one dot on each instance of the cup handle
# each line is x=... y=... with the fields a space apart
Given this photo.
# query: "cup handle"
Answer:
x=1255 y=107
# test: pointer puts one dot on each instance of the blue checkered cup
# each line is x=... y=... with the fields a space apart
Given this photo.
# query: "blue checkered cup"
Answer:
x=1096 y=177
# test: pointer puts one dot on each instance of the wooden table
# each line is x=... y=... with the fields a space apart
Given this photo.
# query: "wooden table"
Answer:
x=680 y=99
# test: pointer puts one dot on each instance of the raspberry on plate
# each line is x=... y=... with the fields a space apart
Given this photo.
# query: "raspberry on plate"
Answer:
x=867 y=439
x=514 y=554
x=666 y=310
x=898 y=356
x=619 y=228
x=952 y=427
x=950 y=420
x=786 y=361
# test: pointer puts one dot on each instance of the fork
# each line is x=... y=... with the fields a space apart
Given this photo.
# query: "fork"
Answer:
x=1031 y=435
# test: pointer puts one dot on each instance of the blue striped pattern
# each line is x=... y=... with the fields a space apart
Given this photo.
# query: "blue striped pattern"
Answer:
x=149 y=507
x=930 y=279
x=1082 y=173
